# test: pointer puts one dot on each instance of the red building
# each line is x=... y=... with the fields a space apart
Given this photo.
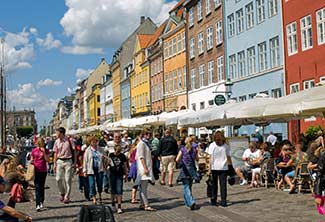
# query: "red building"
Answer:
x=304 y=50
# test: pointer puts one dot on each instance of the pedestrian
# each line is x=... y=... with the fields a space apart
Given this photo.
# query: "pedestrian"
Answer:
x=40 y=157
x=64 y=161
x=82 y=179
x=93 y=168
x=144 y=168
x=10 y=214
x=271 y=138
x=155 y=155
x=103 y=143
x=319 y=186
x=168 y=150
x=118 y=173
x=132 y=175
x=219 y=159
x=188 y=172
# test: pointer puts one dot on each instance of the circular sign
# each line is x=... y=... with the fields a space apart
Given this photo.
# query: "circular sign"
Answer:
x=219 y=100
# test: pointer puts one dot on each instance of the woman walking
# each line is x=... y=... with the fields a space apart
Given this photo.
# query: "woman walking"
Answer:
x=39 y=157
x=186 y=159
x=219 y=153
x=144 y=168
x=117 y=172
x=93 y=168
x=132 y=175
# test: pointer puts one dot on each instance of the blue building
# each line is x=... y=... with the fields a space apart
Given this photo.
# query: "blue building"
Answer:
x=126 y=101
x=254 y=53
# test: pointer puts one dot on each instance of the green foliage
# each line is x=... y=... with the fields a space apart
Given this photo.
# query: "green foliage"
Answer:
x=312 y=131
x=24 y=131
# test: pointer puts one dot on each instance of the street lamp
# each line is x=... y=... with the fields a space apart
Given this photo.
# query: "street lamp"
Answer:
x=133 y=110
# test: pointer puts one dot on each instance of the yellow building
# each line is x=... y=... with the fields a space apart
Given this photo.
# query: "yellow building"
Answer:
x=116 y=82
x=140 y=80
x=94 y=105
x=174 y=44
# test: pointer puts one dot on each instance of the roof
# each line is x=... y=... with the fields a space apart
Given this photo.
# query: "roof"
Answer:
x=180 y=12
x=144 y=40
x=180 y=3
x=158 y=32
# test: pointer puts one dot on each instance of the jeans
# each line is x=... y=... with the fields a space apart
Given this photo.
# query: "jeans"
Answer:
x=39 y=181
x=116 y=182
x=143 y=192
x=188 y=198
x=84 y=184
x=95 y=179
x=64 y=177
x=222 y=175
x=106 y=180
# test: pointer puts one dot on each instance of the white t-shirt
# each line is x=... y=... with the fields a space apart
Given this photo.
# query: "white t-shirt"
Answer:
x=252 y=156
x=218 y=156
x=271 y=139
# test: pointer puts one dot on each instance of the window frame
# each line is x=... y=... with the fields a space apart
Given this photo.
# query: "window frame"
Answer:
x=251 y=60
x=220 y=68
x=320 y=24
x=209 y=38
x=210 y=72
x=292 y=42
x=274 y=52
x=249 y=9
x=306 y=33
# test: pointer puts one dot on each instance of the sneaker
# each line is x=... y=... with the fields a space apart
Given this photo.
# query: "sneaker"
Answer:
x=41 y=205
x=242 y=182
x=194 y=207
x=38 y=208
x=119 y=211
x=62 y=197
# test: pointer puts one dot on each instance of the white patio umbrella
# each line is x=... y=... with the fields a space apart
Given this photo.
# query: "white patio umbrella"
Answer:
x=172 y=118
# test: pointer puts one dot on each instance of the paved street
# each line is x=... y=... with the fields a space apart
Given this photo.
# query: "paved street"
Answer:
x=247 y=205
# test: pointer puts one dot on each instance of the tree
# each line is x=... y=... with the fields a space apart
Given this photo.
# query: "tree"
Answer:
x=24 y=131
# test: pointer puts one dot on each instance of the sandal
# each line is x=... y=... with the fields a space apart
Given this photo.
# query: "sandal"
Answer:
x=141 y=207
x=162 y=183
x=149 y=209
x=134 y=201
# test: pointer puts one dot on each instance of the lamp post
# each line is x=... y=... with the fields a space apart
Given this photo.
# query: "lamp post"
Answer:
x=133 y=110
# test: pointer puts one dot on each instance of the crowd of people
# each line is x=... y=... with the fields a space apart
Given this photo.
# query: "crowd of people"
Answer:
x=105 y=162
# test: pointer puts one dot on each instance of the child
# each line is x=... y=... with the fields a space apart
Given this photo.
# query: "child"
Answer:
x=118 y=172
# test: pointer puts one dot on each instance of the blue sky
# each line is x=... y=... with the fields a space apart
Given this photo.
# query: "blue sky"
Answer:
x=52 y=43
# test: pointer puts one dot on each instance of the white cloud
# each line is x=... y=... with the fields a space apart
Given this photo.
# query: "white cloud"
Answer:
x=33 y=30
x=81 y=50
x=83 y=73
x=49 y=42
x=48 y=82
x=108 y=22
x=26 y=96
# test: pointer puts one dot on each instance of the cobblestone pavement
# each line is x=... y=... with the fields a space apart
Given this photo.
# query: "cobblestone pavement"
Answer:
x=258 y=204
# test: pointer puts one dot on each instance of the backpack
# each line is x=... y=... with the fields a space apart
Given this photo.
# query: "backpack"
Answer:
x=95 y=213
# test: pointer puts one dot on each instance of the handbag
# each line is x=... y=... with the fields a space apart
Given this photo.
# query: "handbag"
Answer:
x=30 y=173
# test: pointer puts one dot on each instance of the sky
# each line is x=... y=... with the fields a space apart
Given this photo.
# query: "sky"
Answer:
x=51 y=44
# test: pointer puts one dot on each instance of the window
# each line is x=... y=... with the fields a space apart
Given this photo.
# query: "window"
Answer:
x=184 y=77
x=240 y=20
x=249 y=15
x=241 y=64
x=217 y=3
x=292 y=38
x=202 y=105
x=274 y=52
x=242 y=98
x=166 y=50
x=98 y=111
x=309 y=84
x=306 y=35
x=251 y=96
x=200 y=43
x=231 y=26
x=183 y=41
x=192 y=48
x=166 y=83
x=276 y=93
x=170 y=81
x=210 y=102
x=294 y=88
x=180 y=78
x=210 y=72
x=170 y=48
x=264 y=92
x=194 y=106
x=201 y=73
x=174 y=46
x=179 y=43
x=322 y=79
x=219 y=37
x=175 y=81
x=262 y=57
x=98 y=98
x=260 y=11
x=193 y=79
x=207 y=7
x=320 y=19
x=220 y=68
x=251 y=60
x=209 y=38
x=232 y=67
x=199 y=10
x=273 y=7
x=191 y=17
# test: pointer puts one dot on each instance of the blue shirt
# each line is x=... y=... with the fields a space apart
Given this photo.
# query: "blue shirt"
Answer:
x=96 y=156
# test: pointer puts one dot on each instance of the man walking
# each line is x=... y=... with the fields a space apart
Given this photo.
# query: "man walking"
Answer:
x=168 y=150
x=63 y=164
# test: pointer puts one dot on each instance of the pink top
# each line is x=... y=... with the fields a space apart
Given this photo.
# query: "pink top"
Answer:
x=39 y=160
x=62 y=148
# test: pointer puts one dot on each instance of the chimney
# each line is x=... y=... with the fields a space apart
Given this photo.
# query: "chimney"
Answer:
x=142 y=19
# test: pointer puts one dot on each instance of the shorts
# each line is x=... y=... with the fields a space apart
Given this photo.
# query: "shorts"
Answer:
x=116 y=182
x=168 y=163
x=290 y=174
